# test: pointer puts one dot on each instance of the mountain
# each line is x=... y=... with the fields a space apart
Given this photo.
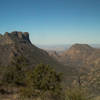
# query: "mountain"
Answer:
x=79 y=55
x=80 y=58
x=62 y=47
x=16 y=44
x=84 y=60
x=80 y=61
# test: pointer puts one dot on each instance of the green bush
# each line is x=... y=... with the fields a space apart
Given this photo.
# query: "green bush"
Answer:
x=15 y=73
x=43 y=79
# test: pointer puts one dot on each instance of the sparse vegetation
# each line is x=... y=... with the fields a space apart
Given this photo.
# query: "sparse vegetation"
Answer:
x=41 y=81
x=23 y=77
x=76 y=94
x=15 y=74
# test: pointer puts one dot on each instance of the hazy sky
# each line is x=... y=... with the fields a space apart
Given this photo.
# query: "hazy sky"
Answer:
x=53 y=21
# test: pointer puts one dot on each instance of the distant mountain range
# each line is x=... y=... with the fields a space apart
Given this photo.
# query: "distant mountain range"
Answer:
x=78 y=56
x=62 y=47
x=57 y=48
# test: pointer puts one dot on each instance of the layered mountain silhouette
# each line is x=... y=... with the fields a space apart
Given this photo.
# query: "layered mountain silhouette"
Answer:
x=78 y=59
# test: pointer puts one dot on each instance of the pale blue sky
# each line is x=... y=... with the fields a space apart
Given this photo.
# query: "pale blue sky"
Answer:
x=53 y=21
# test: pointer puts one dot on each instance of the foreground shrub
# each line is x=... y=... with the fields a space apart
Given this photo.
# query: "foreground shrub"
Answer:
x=41 y=81
x=15 y=73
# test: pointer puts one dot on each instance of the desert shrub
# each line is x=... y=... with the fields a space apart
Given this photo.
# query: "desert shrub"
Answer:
x=76 y=94
x=42 y=80
x=15 y=73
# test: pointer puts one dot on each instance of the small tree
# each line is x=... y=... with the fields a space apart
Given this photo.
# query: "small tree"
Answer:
x=14 y=74
x=42 y=80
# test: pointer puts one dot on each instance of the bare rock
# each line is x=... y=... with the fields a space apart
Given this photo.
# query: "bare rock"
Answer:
x=20 y=35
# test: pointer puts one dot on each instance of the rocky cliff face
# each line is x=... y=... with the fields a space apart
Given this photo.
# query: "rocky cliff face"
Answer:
x=14 y=37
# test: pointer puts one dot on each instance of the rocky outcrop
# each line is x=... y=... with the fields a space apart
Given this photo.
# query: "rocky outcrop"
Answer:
x=14 y=37
x=26 y=36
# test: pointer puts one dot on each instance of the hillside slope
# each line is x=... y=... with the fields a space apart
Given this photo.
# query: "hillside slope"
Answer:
x=79 y=55
x=84 y=61
x=16 y=44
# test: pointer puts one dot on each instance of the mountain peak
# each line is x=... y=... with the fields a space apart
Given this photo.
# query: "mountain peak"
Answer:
x=81 y=47
x=14 y=37
x=79 y=50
